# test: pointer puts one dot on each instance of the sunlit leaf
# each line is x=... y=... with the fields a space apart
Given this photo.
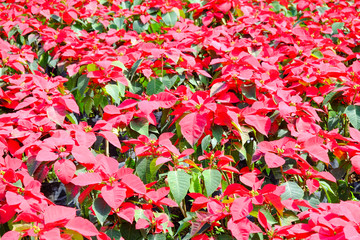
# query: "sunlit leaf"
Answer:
x=293 y=191
x=353 y=113
x=101 y=210
x=179 y=183
x=212 y=179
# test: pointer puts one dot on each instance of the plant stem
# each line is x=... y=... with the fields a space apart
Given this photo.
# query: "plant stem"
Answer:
x=107 y=148
x=162 y=66
x=182 y=207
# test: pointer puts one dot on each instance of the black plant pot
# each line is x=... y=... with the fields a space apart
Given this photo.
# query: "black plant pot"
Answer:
x=56 y=192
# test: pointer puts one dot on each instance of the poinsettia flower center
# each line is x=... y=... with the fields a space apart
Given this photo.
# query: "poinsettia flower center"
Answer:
x=270 y=233
x=20 y=190
x=279 y=150
x=36 y=229
x=111 y=180
x=62 y=149
x=87 y=129
x=254 y=193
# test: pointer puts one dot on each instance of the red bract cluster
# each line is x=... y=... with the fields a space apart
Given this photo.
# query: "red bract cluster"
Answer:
x=179 y=119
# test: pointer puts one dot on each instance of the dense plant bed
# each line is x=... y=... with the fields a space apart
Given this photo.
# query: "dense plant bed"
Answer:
x=179 y=119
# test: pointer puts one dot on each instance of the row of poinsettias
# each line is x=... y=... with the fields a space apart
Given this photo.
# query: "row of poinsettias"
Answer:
x=37 y=138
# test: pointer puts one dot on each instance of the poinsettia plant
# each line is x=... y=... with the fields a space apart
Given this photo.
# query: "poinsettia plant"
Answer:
x=179 y=119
